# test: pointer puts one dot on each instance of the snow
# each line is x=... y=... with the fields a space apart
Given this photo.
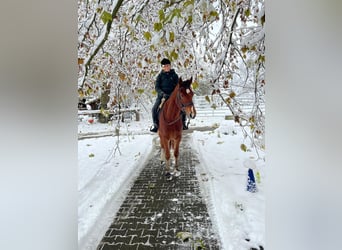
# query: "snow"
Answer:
x=106 y=174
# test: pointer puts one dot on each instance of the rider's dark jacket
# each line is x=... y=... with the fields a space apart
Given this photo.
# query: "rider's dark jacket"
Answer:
x=166 y=82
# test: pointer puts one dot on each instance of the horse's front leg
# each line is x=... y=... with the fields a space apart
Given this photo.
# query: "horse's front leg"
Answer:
x=176 y=154
x=162 y=155
x=167 y=157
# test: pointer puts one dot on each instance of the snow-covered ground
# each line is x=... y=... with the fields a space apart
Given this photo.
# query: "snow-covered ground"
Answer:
x=107 y=169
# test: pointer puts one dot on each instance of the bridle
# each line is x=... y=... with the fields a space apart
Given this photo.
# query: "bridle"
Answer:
x=180 y=105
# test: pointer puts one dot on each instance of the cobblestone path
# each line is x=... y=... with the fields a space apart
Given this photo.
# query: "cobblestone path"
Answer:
x=157 y=213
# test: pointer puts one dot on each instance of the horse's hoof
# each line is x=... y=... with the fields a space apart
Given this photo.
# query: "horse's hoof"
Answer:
x=176 y=173
x=168 y=176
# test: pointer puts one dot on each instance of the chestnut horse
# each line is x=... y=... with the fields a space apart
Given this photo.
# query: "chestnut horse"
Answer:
x=170 y=122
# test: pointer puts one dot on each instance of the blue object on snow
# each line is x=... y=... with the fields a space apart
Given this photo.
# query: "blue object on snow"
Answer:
x=251 y=185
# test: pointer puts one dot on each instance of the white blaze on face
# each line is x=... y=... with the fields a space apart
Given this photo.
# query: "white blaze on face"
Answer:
x=187 y=91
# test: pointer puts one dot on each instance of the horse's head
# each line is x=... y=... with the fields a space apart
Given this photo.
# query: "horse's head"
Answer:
x=185 y=97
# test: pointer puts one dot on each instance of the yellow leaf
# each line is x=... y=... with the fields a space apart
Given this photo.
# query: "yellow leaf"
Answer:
x=80 y=93
x=232 y=94
x=244 y=49
x=122 y=76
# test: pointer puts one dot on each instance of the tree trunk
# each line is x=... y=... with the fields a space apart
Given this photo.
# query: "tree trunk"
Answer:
x=104 y=99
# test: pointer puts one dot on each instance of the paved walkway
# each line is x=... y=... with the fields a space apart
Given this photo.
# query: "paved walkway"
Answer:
x=161 y=214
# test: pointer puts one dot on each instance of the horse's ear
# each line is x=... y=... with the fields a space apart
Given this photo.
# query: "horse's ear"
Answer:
x=180 y=80
x=191 y=80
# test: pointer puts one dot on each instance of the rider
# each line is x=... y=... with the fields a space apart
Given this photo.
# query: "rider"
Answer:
x=164 y=85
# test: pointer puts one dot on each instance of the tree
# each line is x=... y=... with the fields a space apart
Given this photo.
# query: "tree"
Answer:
x=219 y=42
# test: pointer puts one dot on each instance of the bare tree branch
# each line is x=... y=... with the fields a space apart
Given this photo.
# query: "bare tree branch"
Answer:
x=101 y=43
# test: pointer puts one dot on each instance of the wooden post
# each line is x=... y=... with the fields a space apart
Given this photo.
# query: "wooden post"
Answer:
x=137 y=115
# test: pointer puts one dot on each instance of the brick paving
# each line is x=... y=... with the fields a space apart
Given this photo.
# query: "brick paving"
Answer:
x=156 y=210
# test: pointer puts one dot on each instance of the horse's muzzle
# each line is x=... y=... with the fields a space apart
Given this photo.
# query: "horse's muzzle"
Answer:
x=193 y=112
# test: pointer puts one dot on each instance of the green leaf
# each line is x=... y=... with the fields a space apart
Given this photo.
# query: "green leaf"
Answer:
x=184 y=236
x=247 y=13
x=262 y=20
x=187 y=3
x=174 y=55
x=161 y=15
x=91 y=155
x=157 y=26
x=198 y=245
x=138 y=19
x=176 y=12
x=189 y=19
x=207 y=98
x=194 y=85
x=243 y=147
x=261 y=59
x=213 y=13
x=140 y=91
x=106 y=17
x=89 y=91
x=172 y=36
x=147 y=36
